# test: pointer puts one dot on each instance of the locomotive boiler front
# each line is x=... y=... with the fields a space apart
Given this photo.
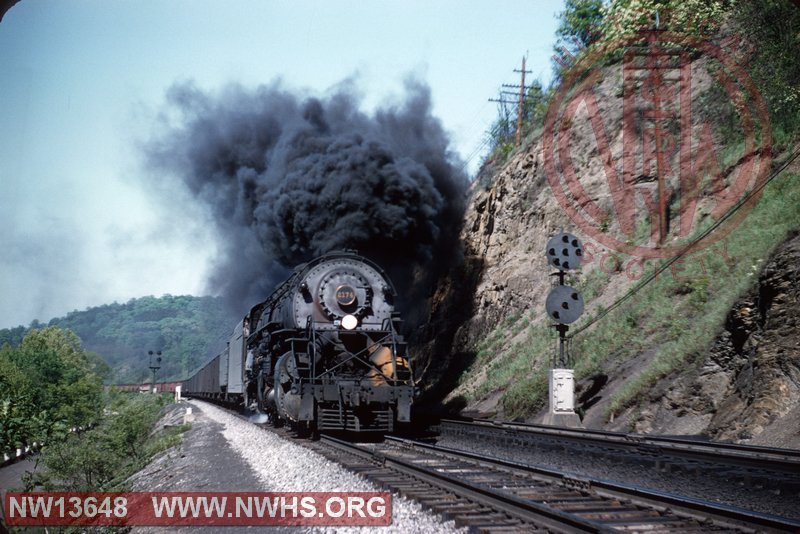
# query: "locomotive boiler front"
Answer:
x=343 y=293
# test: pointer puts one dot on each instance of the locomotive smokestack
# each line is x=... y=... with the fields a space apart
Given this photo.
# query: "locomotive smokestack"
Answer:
x=288 y=178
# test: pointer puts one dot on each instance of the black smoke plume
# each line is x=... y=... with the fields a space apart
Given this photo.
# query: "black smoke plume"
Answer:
x=288 y=178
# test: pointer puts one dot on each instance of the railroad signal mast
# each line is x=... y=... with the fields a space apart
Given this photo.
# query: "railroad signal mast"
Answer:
x=155 y=365
x=564 y=305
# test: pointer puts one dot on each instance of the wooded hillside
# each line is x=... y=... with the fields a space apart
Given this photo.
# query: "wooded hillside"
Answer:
x=186 y=329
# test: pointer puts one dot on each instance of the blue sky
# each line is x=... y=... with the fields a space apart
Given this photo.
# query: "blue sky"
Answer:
x=83 y=82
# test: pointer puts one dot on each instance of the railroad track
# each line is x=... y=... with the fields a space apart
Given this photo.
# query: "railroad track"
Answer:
x=492 y=495
x=762 y=468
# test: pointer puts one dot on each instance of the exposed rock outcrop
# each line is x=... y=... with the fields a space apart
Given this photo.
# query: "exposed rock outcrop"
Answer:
x=749 y=382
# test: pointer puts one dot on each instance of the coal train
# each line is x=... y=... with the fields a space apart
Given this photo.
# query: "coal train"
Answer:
x=146 y=387
x=322 y=353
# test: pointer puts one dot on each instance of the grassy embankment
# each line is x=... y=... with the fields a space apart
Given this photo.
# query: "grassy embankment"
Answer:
x=104 y=457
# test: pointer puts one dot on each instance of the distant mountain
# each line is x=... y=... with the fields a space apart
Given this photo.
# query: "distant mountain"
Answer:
x=187 y=330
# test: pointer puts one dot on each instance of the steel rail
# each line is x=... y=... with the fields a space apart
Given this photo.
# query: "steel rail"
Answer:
x=516 y=507
x=695 y=507
x=755 y=457
x=542 y=514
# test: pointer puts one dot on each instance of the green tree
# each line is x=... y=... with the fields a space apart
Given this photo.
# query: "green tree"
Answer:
x=535 y=107
x=18 y=416
x=579 y=28
x=579 y=25
x=699 y=18
x=12 y=336
x=770 y=31
x=50 y=384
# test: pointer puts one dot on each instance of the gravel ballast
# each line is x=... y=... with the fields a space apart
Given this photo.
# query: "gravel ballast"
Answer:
x=225 y=453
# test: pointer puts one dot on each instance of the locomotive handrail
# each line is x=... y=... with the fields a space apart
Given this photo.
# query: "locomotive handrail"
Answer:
x=367 y=363
x=352 y=357
x=389 y=324
x=312 y=344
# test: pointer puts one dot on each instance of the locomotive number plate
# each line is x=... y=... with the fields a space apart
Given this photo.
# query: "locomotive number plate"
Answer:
x=345 y=295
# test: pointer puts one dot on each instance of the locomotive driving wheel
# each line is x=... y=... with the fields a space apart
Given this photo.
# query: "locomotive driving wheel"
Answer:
x=264 y=405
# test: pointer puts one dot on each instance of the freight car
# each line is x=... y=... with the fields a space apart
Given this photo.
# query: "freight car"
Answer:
x=161 y=387
x=322 y=353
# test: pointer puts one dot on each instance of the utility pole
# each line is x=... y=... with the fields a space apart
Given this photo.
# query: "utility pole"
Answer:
x=520 y=100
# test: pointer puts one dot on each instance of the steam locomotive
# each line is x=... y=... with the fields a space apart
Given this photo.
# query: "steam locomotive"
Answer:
x=322 y=353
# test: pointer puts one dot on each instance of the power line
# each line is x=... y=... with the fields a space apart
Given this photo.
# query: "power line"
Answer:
x=478 y=149
x=503 y=101
x=519 y=102
x=474 y=123
x=742 y=201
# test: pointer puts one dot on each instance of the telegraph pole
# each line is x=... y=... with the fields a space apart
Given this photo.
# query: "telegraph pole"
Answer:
x=520 y=100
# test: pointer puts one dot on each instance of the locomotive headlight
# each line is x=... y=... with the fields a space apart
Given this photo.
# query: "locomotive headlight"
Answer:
x=349 y=322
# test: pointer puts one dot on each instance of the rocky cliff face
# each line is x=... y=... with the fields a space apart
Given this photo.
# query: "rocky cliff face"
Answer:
x=505 y=273
x=745 y=388
x=747 y=385
x=508 y=223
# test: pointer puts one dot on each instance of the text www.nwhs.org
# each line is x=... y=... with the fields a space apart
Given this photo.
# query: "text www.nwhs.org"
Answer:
x=199 y=508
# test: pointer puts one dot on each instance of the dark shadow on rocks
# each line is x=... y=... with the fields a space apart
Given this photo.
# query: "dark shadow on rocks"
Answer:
x=440 y=345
